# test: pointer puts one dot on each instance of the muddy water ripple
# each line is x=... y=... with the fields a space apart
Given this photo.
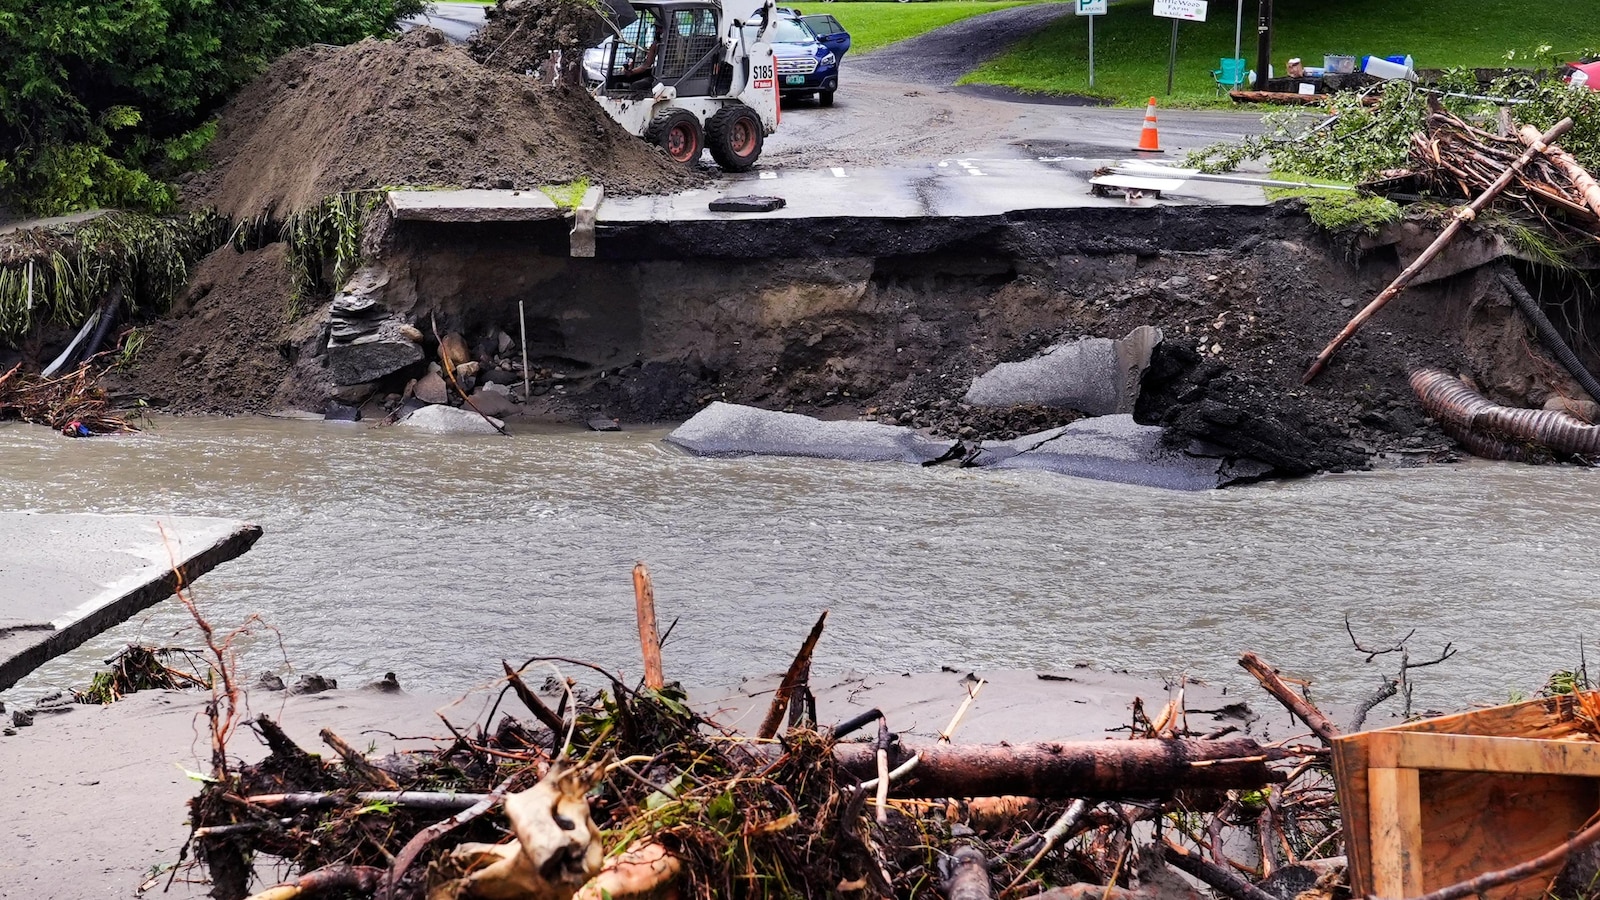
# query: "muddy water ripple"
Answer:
x=435 y=558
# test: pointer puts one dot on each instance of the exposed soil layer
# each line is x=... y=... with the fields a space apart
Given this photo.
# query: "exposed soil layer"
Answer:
x=895 y=320
x=412 y=111
x=227 y=346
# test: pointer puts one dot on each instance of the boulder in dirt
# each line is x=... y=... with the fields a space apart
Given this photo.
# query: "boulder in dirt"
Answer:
x=453 y=349
x=341 y=412
x=493 y=403
x=726 y=429
x=431 y=389
x=439 y=419
x=1098 y=376
x=369 y=358
x=1115 y=448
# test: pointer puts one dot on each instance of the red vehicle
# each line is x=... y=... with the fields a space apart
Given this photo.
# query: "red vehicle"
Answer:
x=1584 y=74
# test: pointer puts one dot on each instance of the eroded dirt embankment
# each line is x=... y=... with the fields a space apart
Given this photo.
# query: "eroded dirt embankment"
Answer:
x=893 y=320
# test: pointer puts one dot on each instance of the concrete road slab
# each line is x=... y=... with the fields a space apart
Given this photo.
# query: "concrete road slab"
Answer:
x=473 y=205
x=946 y=188
x=66 y=578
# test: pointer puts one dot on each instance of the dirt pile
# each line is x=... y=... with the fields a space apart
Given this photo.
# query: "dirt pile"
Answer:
x=228 y=342
x=519 y=35
x=412 y=111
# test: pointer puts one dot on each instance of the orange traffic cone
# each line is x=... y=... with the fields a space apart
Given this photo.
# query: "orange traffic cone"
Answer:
x=1149 y=139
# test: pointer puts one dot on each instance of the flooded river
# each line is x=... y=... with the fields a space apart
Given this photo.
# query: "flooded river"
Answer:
x=435 y=558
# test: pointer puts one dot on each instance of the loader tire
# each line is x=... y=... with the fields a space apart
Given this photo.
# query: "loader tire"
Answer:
x=677 y=131
x=735 y=135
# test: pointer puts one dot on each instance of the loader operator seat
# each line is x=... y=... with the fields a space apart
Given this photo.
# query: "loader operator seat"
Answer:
x=691 y=51
x=636 y=56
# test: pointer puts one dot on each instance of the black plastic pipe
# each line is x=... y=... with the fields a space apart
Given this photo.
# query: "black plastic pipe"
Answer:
x=1548 y=336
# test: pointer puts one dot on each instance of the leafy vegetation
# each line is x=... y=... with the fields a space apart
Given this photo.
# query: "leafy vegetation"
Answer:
x=102 y=103
x=322 y=241
x=872 y=25
x=1355 y=141
x=60 y=275
x=1131 y=43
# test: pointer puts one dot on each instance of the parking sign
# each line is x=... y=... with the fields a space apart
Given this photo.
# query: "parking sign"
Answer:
x=1091 y=7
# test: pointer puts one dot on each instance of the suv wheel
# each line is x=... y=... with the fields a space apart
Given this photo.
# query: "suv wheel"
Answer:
x=677 y=131
x=735 y=136
x=825 y=98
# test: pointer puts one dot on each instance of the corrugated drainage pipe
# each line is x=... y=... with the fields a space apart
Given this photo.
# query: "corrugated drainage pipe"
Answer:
x=1501 y=432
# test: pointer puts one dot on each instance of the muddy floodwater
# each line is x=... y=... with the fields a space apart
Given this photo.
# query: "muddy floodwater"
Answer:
x=435 y=558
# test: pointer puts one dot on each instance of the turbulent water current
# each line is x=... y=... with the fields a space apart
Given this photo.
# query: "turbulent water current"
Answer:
x=437 y=557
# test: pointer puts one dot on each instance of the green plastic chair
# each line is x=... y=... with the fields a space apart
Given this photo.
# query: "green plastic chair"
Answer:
x=1230 y=76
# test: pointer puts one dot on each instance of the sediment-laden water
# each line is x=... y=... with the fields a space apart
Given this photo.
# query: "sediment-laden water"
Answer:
x=436 y=557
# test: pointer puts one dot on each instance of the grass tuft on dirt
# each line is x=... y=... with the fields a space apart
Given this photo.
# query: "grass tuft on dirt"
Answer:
x=1131 y=44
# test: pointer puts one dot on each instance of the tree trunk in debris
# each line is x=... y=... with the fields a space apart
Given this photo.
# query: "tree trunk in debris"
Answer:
x=968 y=876
x=1142 y=768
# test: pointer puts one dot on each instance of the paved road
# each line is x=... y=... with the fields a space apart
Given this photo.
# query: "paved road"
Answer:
x=457 y=20
x=967 y=186
x=876 y=121
x=945 y=54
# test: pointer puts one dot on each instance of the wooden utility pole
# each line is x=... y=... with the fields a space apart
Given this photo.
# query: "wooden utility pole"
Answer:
x=1263 y=43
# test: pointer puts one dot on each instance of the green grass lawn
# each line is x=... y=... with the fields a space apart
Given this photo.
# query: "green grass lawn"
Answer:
x=1131 y=44
x=872 y=25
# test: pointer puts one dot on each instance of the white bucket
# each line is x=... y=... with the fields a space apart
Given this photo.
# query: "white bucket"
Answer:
x=1379 y=67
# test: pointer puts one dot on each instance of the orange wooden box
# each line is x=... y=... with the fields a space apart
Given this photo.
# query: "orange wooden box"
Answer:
x=1432 y=803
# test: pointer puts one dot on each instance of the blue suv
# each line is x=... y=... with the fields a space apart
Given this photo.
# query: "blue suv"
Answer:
x=808 y=49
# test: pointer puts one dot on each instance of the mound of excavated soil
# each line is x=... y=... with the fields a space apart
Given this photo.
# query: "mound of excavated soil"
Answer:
x=222 y=348
x=412 y=111
x=519 y=35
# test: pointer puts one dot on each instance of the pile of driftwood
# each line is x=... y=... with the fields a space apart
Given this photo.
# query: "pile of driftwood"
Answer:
x=626 y=792
x=1454 y=158
x=72 y=403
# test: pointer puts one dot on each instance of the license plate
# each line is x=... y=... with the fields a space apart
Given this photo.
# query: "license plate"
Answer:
x=794 y=79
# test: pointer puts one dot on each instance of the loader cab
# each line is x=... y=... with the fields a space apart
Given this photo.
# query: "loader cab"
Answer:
x=674 y=44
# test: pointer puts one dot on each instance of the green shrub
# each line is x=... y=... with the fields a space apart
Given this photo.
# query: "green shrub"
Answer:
x=101 y=103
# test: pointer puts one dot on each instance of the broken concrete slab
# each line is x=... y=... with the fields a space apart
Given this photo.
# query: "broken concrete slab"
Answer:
x=726 y=429
x=440 y=419
x=1098 y=376
x=1115 y=448
x=473 y=205
x=66 y=578
x=581 y=242
x=369 y=358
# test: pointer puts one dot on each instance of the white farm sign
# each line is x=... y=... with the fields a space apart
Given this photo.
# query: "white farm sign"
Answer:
x=1187 y=10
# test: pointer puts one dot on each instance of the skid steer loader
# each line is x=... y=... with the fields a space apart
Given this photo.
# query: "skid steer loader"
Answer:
x=687 y=76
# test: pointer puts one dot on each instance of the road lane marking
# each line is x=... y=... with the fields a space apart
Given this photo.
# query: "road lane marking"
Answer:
x=837 y=172
x=769 y=174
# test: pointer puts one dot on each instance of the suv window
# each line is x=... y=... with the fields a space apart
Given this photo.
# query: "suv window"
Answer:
x=823 y=25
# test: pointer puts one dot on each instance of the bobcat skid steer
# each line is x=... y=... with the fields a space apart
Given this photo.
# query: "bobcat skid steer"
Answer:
x=687 y=76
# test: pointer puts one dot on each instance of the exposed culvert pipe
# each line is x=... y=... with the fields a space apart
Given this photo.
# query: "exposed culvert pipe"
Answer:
x=1548 y=336
x=1501 y=432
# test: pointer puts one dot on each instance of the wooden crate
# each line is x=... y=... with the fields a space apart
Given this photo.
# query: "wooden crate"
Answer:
x=1435 y=802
